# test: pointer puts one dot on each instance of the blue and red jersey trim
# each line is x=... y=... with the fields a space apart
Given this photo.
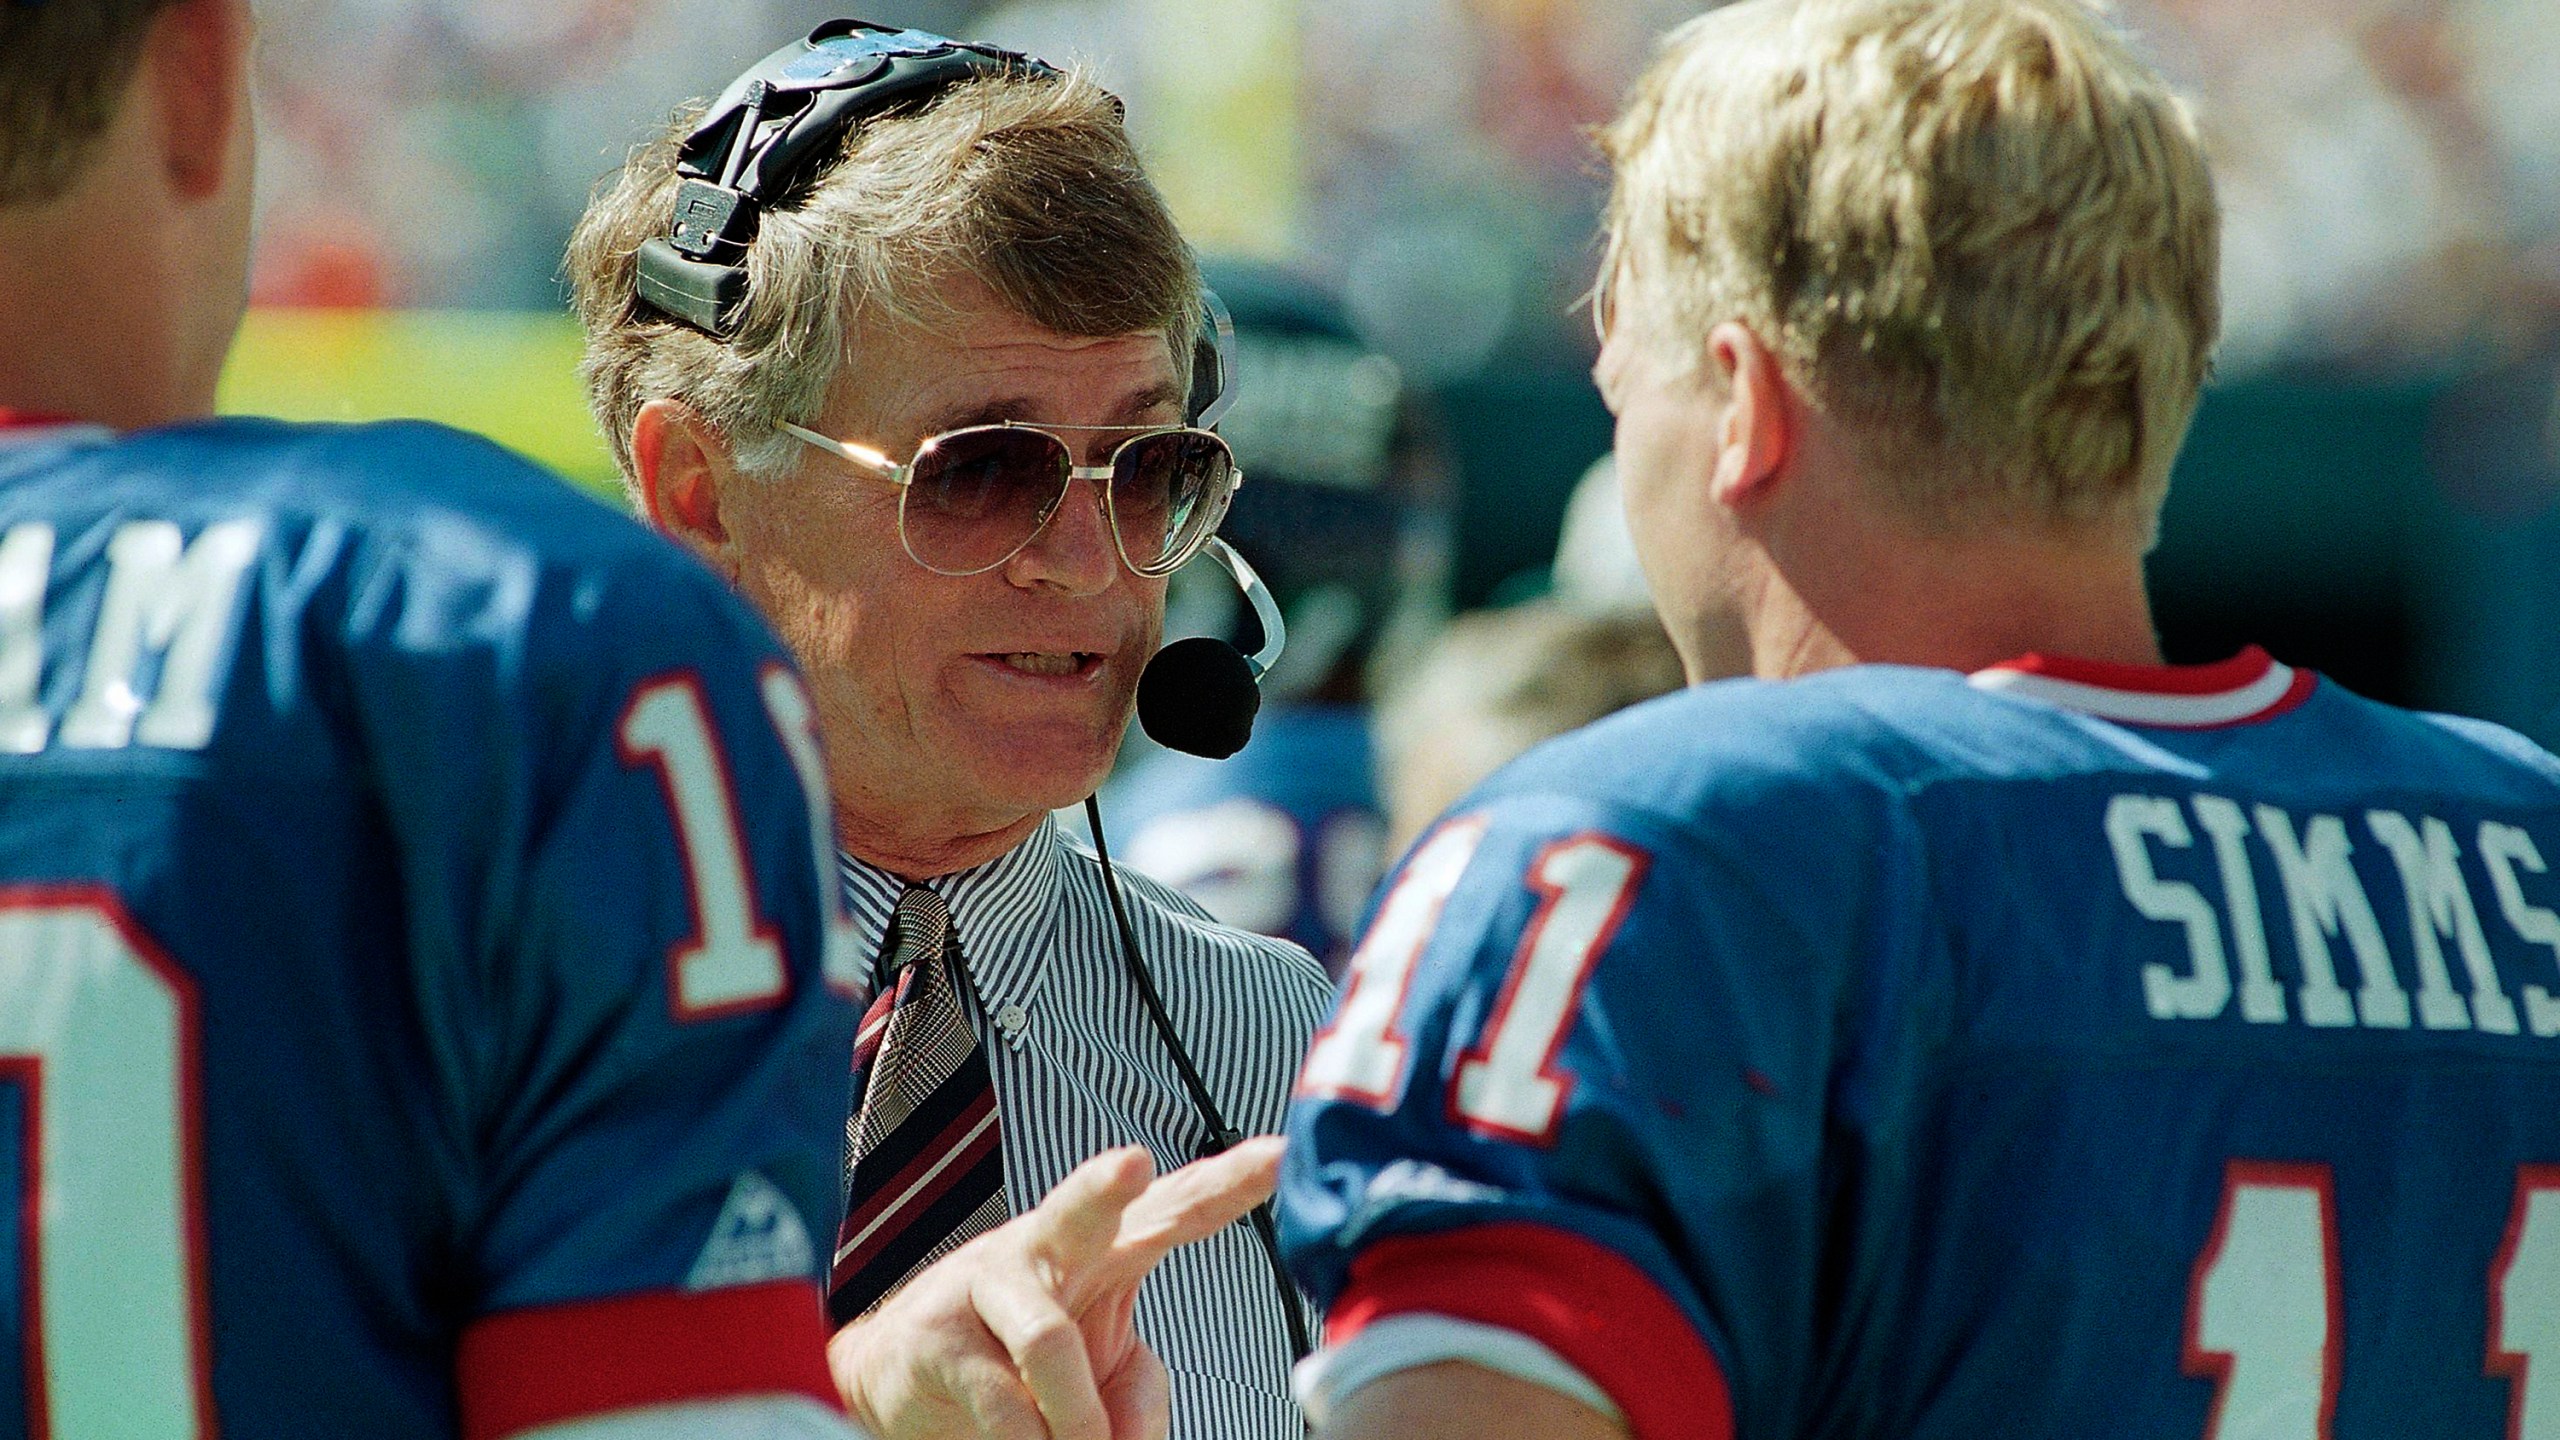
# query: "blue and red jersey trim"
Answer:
x=1588 y=1304
x=523 y=1369
x=2246 y=689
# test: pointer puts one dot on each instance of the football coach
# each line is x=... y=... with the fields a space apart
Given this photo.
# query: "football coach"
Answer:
x=898 y=336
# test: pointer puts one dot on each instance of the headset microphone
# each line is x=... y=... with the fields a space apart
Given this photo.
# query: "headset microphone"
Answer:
x=1199 y=695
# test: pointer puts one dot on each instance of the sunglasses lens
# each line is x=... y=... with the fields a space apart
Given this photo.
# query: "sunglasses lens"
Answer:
x=975 y=495
x=1167 y=492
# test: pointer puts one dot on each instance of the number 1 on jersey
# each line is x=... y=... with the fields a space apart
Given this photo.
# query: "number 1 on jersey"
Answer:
x=99 y=1038
x=2524 y=1317
x=733 y=961
x=1508 y=1085
x=2263 y=1312
x=1360 y=1055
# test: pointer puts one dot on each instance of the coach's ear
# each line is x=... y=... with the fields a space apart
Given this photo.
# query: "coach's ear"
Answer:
x=1756 y=433
x=684 y=469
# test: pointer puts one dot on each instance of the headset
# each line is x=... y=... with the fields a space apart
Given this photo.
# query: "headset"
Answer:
x=761 y=145
x=764 y=141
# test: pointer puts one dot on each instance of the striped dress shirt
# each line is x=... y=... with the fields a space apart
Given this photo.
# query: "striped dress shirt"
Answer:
x=1079 y=1069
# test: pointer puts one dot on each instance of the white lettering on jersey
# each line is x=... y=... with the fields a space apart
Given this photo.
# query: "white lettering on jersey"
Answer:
x=2325 y=898
x=173 y=598
x=2201 y=993
x=26 y=556
x=2440 y=905
x=2502 y=849
x=2326 y=901
x=2261 y=998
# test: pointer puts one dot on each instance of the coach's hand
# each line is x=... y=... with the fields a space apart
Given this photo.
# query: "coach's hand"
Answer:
x=1024 y=1333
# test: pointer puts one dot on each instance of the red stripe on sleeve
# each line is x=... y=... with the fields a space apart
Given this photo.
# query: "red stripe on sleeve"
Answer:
x=528 y=1368
x=1582 y=1300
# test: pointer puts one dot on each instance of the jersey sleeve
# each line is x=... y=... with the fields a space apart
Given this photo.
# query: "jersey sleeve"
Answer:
x=1575 y=1092
x=604 y=780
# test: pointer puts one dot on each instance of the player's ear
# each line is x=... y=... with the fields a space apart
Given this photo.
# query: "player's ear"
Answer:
x=684 y=472
x=1756 y=433
x=197 y=63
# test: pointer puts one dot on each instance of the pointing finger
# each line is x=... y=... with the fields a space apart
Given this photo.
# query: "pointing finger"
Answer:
x=1075 y=1224
x=1196 y=1201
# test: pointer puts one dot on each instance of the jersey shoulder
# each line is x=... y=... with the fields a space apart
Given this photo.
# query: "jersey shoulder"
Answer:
x=1843 y=749
x=438 y=538
x=2425 y=751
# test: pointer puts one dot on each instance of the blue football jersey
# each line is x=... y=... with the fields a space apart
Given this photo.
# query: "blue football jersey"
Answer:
x=415 y=1011
x=2061 y=1051
x=1282 y=838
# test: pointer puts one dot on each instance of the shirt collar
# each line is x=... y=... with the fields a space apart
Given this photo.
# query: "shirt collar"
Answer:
x=1003 y=911
x=28 y=427
x=2243 y=690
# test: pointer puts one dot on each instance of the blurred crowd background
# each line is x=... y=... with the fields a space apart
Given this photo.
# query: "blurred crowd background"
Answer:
x=2373 y=489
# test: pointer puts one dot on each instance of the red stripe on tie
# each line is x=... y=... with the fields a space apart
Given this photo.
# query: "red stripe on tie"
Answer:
x=955 y=1150
x=875 y=1028
x=525 y=1369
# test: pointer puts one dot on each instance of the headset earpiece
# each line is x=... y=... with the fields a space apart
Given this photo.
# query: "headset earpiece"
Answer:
x=1213 y=363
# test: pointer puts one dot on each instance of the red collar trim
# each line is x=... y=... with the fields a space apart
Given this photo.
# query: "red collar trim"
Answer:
x=24 y=426
x=2243 y=690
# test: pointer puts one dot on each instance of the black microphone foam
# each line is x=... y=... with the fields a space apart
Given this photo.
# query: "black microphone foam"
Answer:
x=1198 y=696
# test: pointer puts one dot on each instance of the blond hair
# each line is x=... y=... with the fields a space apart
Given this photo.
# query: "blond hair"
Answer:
x=1980 y=231
x=1027 y=182
x=64 y=71
x=1495 y=683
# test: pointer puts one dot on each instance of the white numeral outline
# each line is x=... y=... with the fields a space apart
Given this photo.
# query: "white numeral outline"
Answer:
x=2258 y=1228
x=1359 y=1055
x=2532 y=1241
x=796 y=717
x=113 y=1370
x=731 y=962
x=1508 y=1085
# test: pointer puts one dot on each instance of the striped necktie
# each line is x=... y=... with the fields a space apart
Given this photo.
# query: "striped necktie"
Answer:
x=923 y=1172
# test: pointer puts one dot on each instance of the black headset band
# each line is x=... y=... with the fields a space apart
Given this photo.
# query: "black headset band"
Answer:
x=772 y=130
x=779 y=124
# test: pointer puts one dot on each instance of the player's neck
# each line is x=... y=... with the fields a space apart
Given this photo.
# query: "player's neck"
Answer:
x=1884 y=595
x=94 y=323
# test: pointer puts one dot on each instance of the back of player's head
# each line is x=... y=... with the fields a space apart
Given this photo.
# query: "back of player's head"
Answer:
x=65 y=66
x=1026 y=181
x=1981 y=231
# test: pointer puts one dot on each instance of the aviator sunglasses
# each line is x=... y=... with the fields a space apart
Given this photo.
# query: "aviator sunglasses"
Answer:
x=972 y=498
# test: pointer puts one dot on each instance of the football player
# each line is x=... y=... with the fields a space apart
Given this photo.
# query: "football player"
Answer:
x=1346 y=514
x=420 y=1010
x=1973 y=1026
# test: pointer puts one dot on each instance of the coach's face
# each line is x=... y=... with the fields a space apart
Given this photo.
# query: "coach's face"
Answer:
x=959 y=709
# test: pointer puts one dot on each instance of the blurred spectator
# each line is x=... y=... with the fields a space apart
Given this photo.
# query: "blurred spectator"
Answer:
x=1595 y=566
x=436 y=152
x=1344 y=511
x=1499 y=681
x=2391 y=167
x=2384 y=171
